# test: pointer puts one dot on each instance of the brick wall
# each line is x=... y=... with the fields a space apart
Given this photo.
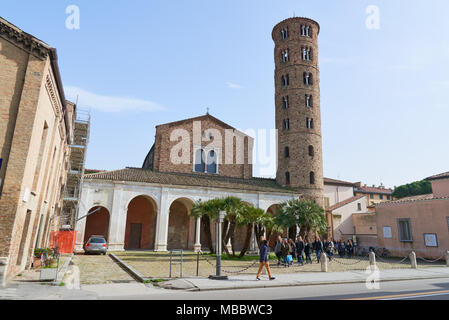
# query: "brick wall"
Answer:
x=232 y=168
x=29 y=101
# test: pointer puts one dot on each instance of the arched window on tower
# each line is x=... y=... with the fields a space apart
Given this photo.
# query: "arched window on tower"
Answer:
x=287 y=152
x=285 y=80
x=306 y=54
x=308 y=100
x=305 y=31
x=284 y=56
x=309 y=123
x=307 y=78
x=285 y=102
x=287 y=178
x=286 y=124
x=311 y=151
x=312 y=177
x=284 y=33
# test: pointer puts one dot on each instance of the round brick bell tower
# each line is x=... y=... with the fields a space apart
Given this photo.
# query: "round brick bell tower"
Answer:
x=298 y=116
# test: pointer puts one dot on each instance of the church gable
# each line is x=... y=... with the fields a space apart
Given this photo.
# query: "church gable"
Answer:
x=203 y=144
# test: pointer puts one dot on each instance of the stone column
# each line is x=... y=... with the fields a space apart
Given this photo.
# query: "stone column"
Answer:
x=197 y=245
x=412 y=257
x=117 y=221
x=80 y=225
x=162 y=222
x=447 y=258
x=324 y=262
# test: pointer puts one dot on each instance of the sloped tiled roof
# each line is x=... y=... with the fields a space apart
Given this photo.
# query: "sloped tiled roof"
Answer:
x=375 y=190
x=444 y=175
x=421 y=197
x=337 y=182
x=345 y=202
x=194 y=179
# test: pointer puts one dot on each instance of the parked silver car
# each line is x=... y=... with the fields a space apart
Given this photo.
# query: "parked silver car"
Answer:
x=96 y=244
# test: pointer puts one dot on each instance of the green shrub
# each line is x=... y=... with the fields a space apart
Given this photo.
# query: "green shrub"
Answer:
x=38 y=251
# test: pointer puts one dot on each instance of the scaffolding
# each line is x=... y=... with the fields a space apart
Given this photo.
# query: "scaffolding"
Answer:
x=75 y=174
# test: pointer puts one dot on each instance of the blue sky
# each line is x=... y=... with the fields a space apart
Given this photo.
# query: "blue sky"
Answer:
x=136 y=64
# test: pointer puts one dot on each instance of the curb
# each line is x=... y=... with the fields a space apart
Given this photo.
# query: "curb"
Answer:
x=130 y=270
x=304 y=284
x=61 y=274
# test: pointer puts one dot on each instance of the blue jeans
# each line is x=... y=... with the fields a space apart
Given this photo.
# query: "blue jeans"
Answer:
x=318 y=255
x=300 y=259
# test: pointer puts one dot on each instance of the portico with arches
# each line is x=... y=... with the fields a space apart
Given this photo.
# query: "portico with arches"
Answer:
x=147 y=210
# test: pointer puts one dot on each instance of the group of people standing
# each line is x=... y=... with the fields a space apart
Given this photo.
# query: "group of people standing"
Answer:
x=287 y=251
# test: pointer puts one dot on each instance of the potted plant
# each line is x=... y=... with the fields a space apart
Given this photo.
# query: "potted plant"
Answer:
x=48 y=265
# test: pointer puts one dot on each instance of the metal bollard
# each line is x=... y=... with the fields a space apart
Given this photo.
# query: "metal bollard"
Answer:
x=372 y=259
x=197 y=263
x=412 y=257
x=324 y=262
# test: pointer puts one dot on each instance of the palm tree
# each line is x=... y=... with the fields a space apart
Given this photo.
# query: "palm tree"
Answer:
x=303 y=212
x=232 y=206
x=249 y=216
x=207 y=211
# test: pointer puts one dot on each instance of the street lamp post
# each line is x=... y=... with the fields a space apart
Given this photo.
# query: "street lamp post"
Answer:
x=218 y=240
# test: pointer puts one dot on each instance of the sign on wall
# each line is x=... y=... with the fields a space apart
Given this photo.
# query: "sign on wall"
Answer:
x=430 y=239
x=387 y=233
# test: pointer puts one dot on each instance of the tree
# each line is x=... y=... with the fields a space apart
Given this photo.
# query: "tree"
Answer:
x=249 y=216
x=207 y=211
x=412 y=189
x=303 y=212
x=232 y=206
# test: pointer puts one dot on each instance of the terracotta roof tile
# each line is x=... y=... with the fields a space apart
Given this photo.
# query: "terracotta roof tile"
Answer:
x=338 y=182
x=345 y=202
x=375 y=190
x=444 y=175
x=421 y=197
x=194 y=179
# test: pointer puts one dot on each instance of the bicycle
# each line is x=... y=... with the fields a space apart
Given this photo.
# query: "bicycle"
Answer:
x=382 y=252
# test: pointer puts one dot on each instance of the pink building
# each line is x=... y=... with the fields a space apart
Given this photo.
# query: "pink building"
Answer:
x=418 y=223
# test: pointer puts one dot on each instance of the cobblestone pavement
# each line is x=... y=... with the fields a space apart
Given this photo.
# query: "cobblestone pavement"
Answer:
x=100 y=269
x=157 y=265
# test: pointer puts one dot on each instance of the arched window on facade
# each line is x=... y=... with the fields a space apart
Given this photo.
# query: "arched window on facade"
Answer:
x=199 y=161
x=212 y=162
x=287 y=152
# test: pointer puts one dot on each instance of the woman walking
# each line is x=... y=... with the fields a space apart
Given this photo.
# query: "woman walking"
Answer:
x=264 y=260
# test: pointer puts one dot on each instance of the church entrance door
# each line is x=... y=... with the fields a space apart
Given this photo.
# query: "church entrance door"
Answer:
x=135 y=235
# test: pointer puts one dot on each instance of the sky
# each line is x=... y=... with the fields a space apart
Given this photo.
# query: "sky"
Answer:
x=136 y=64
